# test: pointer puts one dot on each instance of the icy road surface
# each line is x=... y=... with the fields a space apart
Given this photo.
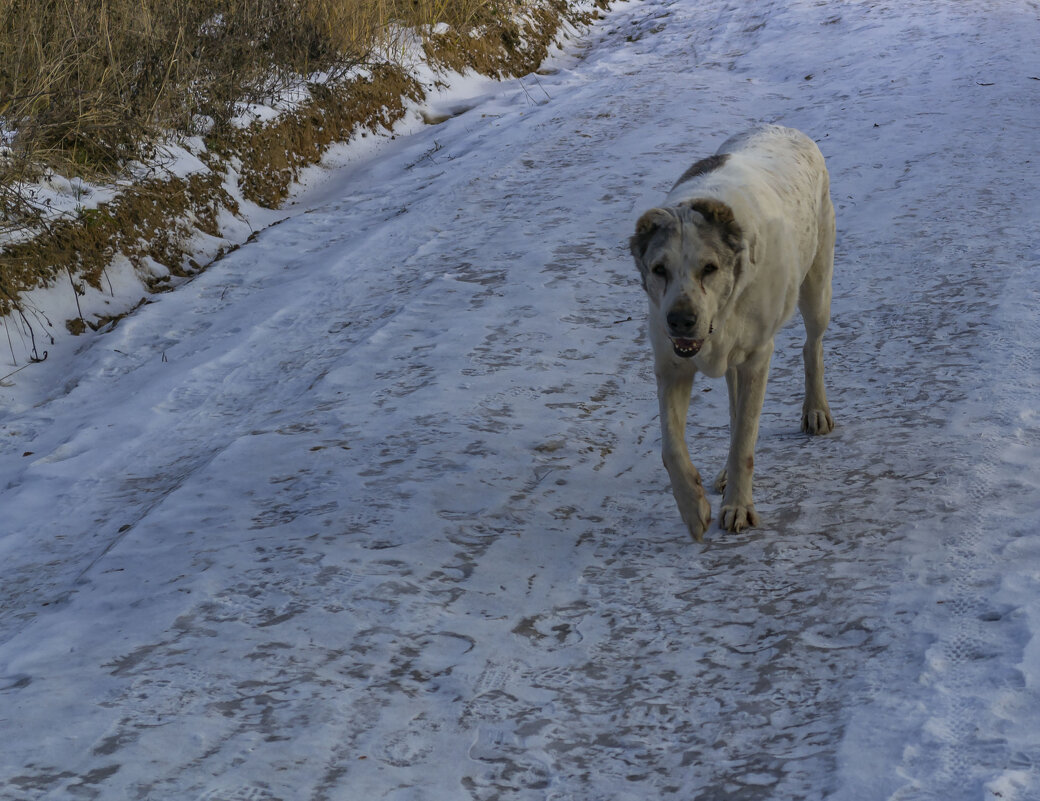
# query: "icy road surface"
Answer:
x=373 y=509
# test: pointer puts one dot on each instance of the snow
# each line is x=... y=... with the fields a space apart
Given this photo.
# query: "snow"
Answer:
x=373 y=508
x=39 y=328
x=56 y=197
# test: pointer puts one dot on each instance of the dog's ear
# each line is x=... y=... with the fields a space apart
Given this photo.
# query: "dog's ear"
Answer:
x=720 y=215
x=646 y=227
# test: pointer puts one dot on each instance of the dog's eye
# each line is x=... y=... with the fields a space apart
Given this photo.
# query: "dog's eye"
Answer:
x=659 y=270
x=709 y=268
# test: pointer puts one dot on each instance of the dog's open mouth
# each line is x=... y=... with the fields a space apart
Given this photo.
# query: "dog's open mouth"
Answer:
x=686 y=348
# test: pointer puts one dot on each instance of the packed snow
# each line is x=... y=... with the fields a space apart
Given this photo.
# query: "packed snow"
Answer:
x=373 y=508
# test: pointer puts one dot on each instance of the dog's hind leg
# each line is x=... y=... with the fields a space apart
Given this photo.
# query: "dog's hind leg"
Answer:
x=733 y=390
x=814 y=302
x=674 y=386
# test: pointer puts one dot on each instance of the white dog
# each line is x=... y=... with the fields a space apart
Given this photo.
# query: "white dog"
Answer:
x=742 y=237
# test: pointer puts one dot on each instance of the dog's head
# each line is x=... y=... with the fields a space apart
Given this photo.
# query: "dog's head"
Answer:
x=690 y=257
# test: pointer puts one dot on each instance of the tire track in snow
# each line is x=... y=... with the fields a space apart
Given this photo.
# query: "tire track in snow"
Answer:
x=211 y=373
x=963 y=713
x=972 y=707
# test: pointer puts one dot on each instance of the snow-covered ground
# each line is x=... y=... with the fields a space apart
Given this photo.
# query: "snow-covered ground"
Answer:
x=373 y=508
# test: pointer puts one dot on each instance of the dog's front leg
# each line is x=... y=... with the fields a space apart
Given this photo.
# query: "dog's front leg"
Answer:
x=738 y=510
x=674 y=384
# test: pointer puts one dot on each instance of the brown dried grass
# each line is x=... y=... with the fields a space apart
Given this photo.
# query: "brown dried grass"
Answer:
x=87 y=86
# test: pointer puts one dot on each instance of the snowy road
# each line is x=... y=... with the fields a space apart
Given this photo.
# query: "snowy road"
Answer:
x=373 y=509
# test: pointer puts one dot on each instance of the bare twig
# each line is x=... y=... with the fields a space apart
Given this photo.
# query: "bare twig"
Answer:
x=75 y=292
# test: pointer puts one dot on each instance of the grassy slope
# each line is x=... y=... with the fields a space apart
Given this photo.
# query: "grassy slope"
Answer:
x=154 y=219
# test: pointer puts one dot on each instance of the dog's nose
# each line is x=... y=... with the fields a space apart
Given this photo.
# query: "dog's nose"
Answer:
x=681 y=321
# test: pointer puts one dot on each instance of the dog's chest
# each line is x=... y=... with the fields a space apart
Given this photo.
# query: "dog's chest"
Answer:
x=716 y=357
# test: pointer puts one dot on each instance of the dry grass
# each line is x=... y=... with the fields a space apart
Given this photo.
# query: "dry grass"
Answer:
x=86 y=83
x=88 y=86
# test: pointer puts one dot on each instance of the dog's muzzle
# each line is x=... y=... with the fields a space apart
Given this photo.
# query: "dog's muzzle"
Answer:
x=682 y=322
x=686 y=348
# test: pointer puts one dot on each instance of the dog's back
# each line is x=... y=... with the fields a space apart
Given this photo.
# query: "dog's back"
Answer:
x=768 y=173
x=768 y=163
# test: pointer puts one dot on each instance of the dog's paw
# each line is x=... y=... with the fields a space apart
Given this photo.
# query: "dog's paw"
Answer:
x=720 y=481
x=817 y=421
x=738 y=518
x=696 y=513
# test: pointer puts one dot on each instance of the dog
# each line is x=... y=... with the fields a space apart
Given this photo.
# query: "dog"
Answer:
x=742 y=237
